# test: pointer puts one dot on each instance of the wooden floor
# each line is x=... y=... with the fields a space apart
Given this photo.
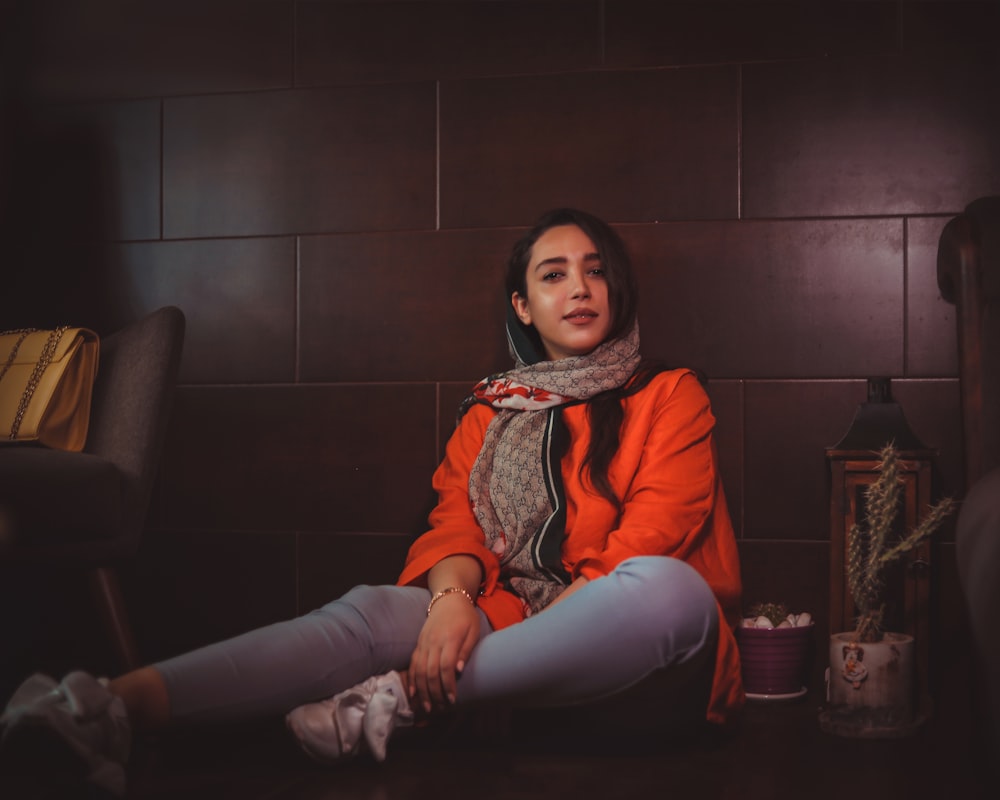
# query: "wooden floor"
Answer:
x=778 y=752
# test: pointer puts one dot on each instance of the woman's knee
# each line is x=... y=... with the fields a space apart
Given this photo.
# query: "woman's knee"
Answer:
x=662 y=578
x=671 y=594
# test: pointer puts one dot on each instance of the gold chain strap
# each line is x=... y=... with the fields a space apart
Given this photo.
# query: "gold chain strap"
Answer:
x=22 y=334
x=36 y=375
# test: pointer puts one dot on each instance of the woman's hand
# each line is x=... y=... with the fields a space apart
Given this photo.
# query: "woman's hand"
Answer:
x=449 y=634
x=444 y=645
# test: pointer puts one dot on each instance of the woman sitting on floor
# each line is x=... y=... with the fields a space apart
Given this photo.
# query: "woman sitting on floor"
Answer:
x=581 y=546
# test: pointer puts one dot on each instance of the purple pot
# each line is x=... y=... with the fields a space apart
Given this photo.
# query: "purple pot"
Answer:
x=774 y=659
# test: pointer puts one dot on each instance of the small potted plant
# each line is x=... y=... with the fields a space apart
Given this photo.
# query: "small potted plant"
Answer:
x=774 y=651
x=871 y=684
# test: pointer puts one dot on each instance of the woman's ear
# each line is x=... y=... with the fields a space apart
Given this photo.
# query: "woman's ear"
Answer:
x=520 y=305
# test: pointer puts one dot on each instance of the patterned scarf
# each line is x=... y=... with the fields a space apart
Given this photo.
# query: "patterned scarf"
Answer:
x=516 y=485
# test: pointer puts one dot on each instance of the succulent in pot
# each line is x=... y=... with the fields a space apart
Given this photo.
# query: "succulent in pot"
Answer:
x=774 y=615
x=775 y=646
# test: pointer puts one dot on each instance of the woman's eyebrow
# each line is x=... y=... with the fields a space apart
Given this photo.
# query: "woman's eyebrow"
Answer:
x=564 y=260
x=552 y=260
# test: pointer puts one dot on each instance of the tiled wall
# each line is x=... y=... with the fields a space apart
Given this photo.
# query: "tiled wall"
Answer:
x=329 y=191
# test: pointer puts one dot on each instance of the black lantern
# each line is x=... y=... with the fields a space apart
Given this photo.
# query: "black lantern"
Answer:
x=854 y=463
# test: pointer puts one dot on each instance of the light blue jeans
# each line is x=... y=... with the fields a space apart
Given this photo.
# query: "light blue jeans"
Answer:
x=652 y=615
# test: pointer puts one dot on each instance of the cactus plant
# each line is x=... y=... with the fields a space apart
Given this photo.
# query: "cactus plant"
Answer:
x=871 y=547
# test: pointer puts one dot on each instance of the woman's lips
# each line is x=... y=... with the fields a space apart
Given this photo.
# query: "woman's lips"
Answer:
x=580 y=316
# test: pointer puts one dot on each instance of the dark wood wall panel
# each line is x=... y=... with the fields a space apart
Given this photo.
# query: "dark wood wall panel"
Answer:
x=799 y=578
x=936 y=27
x=356 y=42
x=883 y=135
x=641 y=146
x=373 y=310
x=450 y=397
x=315 y=457
x=299 y=161
x=727 y=406
x=119 y=48
x=238 y=296
x=331 y=564
x=933 y=409
x=653 y=33
x=194 y=587
x=775 y=299
x=789 y=425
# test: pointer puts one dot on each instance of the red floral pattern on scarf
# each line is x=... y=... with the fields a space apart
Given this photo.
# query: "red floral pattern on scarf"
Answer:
x=505 y=392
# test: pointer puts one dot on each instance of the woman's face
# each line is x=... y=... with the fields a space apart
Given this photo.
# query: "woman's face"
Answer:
x=567 y=294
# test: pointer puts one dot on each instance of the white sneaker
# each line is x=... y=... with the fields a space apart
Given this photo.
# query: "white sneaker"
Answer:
x=364 y=715
x=388 y=709
x=75 y=729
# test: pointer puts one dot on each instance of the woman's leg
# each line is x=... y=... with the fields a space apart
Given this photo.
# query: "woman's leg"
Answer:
x=652 y=618
x=650 y=615
x=82 y=726
x=370 y=630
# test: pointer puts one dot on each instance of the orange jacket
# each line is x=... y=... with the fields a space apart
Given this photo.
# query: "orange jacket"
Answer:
x=665 y=471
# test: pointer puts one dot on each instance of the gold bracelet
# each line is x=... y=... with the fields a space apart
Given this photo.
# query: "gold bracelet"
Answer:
x=449 y=590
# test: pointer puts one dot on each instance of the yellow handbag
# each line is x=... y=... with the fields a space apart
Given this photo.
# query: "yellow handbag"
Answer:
x=46 y=383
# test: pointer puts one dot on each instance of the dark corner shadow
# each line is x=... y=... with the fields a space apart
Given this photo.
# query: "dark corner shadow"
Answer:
x=59 y=204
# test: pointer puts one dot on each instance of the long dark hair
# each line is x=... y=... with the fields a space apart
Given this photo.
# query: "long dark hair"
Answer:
x=605 y=410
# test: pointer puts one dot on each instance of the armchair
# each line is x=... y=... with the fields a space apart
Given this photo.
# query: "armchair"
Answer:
x=87 y=510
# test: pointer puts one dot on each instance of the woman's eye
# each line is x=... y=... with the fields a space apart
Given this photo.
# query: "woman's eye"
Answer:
x=597 y=272
x=551 y=276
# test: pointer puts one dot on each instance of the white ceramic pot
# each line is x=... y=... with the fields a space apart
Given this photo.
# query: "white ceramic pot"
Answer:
x=871 y=690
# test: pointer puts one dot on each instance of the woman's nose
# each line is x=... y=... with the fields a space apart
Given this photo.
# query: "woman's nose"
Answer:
x=581 y=287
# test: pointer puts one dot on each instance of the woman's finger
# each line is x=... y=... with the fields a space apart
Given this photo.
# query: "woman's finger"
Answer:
x=448 y=673
x=429 y=691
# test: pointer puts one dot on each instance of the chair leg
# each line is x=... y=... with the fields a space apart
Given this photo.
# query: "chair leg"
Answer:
x=107 y=593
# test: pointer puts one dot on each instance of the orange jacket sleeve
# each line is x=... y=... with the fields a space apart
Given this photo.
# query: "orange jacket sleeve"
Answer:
x=453 y=526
